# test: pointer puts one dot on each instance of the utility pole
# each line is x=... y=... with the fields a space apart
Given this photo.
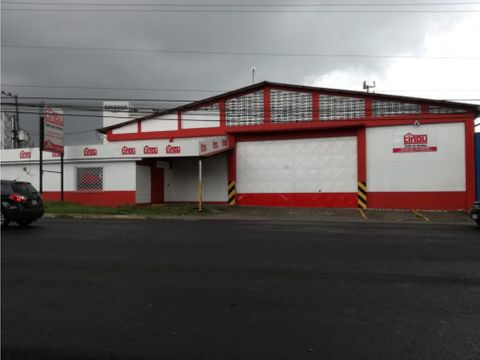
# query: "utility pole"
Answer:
x=16 y=123
x=40 y=145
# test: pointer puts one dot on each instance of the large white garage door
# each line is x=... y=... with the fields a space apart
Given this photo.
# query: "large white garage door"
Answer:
x=321 y=165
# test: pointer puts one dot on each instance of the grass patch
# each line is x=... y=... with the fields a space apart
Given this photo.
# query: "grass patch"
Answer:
x=67 y=208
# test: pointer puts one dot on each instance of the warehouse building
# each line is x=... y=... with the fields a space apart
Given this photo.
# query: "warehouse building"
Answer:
x=274 y=144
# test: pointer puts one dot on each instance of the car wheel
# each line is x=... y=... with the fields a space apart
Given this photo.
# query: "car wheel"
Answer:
x=4 y=220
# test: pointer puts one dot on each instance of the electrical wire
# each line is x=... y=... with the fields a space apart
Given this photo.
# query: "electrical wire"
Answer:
x=123 y=4
x=241 y=53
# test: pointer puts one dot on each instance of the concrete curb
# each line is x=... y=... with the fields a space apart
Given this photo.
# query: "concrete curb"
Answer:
x=299 y=215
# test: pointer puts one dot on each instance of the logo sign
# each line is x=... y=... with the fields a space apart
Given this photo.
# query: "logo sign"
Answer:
x=169 y=149
x=53 y=130
x=25 y=154
x=89 y=152
x=148 y=150
x=128 y=150
x=214 y=146
x=415 y=143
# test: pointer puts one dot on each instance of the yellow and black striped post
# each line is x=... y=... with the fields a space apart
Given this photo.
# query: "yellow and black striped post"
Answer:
x=362 y=195
x=231 y=192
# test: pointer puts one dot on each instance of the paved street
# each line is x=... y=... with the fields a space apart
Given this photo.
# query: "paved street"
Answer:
x=225 y=289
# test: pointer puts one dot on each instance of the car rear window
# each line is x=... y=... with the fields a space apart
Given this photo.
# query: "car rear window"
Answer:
x=24 y=188
x=6 y=188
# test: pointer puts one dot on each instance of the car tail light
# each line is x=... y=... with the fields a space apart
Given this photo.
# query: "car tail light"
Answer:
x=17 y=198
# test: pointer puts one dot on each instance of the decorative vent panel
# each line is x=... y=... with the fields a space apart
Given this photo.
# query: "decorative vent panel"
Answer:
x=89 y=178
x=391 y=108
x=290 y=106
x=245 y=110
x=444 y=110
x=340 y=107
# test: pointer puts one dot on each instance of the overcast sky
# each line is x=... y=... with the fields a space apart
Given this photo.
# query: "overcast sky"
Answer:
x=113 y=51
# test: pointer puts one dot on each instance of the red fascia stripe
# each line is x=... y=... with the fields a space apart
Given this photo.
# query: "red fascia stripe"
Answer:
x=328 y=200
x=454 y=200
x=94 y=198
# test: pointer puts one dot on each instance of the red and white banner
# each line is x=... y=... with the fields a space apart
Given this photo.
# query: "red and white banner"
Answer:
x=214 y=146
x=415 y=142
x=53 y=130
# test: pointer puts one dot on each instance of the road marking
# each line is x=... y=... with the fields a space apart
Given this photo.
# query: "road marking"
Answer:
x=420 y=215
x=363 y=214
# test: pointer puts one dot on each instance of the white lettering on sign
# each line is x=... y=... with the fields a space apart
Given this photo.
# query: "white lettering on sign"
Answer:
x=169 y=149
x=128 y=150
x=150 y=150
x=25 y=154
x=89 y=152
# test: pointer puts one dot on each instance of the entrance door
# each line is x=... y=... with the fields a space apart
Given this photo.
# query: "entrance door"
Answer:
x=157 y=184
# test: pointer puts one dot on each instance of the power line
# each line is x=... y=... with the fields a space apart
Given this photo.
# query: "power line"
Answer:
x=256 y=11
x=112 y=88
x=240 y=53
x=243 y=5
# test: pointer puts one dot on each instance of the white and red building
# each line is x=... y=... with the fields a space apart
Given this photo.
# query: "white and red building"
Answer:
x=273 y=144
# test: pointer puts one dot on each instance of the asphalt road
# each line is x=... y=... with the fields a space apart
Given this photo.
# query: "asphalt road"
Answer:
x=209 y=289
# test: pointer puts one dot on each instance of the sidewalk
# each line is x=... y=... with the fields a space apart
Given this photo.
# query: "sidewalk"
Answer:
x=303 y=214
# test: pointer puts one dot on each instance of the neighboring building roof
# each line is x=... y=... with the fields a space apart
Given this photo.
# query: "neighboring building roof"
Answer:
x=260 y=85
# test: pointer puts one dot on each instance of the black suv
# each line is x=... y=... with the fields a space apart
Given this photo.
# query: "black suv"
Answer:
x=475 y=212
x=21 y=203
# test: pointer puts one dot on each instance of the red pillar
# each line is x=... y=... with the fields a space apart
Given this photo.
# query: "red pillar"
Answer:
x=470 y=162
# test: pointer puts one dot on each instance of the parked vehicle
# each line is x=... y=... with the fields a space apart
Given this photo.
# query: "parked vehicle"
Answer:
x=475 y=212
x=21 y=203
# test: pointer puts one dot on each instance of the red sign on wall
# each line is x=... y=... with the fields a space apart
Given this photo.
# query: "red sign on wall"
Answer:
x=25 y=154
x=89 y=152
x=169 y=149
x=415 y=143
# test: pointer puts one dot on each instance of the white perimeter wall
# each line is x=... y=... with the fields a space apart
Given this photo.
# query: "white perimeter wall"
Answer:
x=143 y=194
x=297 y=166
x=117 y=176
x=181 y=181
x=443 y=170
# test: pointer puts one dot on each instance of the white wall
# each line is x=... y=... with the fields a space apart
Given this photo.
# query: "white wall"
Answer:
x=126 y=129
x=181 y=181
x=166 y=122
x=442 y=170
x=143 y=184
x=297 y=166
x=117 y=176
x=196 y=119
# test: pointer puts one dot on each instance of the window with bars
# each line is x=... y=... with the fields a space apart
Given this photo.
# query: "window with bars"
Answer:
x=89 y=178
x=245 y=110
x=391 y=108
x=340 y=107
x=434 y=109
x=290 y=106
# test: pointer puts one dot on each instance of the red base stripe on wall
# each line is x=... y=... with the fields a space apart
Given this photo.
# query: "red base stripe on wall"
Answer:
x=334 y=200
x=454 y=200
x=102 y=198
